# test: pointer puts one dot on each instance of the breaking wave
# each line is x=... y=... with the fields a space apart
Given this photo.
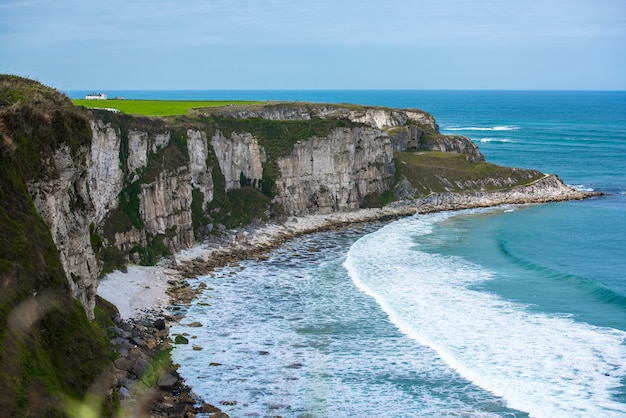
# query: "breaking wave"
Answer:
x=482 y=128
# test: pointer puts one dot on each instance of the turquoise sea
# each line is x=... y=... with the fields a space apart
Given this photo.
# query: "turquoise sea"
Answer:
x=512 y=311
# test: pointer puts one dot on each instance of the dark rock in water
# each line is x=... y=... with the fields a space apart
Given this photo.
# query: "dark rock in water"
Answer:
x=159 y=324
x=167 y=380
x=179 y=339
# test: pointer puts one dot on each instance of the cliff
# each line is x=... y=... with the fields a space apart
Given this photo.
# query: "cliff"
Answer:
x=136 y=189
x=48 y=349
x=97 y=190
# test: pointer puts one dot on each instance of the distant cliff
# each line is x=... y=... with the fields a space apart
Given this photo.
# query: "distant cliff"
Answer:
x=88 y=191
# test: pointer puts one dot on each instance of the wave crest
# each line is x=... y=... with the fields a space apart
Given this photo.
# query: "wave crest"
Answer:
x=482 y=128
x=497 y=140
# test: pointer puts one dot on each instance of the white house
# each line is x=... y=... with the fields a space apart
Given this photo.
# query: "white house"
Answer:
x=96 y=96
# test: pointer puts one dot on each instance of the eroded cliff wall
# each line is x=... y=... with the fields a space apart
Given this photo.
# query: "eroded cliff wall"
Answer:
x=143 y=188
x=335 y=173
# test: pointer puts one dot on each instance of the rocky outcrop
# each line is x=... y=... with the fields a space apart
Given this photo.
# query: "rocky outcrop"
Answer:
x=414 y=138
x=376 y=117
x=452 y=143
x=335 y=173
x=165 y=208
x=201 y=174
x=105 y=171
x=64 y=201
x=165 y=175
x=239 y=155
x=550 y=188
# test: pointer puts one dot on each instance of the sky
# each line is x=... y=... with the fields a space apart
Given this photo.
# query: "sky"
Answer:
x=322 y=44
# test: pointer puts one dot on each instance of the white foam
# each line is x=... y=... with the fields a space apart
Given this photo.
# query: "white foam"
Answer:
x=499 y=140
x=328 y=349
x=481 y=128
x=582 y=188
x=545 y=365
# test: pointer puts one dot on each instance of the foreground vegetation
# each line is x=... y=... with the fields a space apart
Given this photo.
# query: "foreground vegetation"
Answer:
x=49 y=350
x=156 y=107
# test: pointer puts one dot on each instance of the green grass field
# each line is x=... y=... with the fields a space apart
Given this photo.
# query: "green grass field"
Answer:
x=155 y=107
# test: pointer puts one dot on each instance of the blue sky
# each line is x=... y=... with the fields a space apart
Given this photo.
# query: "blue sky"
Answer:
x=322 y=44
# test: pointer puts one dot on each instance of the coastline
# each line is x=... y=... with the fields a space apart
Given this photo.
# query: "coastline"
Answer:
x=144 y=293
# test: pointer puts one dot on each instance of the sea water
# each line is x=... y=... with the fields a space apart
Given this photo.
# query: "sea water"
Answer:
x=510 y=311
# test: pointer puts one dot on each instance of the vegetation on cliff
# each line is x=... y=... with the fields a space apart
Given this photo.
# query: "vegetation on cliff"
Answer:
x=49 y=351
x=438 y=172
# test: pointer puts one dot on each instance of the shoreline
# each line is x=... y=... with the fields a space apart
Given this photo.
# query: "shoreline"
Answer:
x=144 y=293
x=145 y=288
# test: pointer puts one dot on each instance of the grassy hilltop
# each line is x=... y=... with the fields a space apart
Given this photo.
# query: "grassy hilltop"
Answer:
x=156 y=107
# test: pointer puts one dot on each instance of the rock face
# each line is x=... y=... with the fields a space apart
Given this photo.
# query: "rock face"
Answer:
x=65 y=203
x=165 y=208
x=105 y=171
x=239 y=155
x=201 y=174
x=372 y=116
x=335 y=173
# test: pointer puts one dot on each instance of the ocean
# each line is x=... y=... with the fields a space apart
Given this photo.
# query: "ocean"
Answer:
x=511 y=311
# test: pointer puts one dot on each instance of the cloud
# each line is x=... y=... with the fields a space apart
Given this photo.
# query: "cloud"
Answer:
x=287 y=22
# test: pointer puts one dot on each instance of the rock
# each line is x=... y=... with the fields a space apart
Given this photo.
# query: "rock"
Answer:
x=208 y=409
x=123 y=392
x=162 y=334
x=141 y=367
x=167 y=381
x=123 y=364
x=196 y=348
x=195 y=324
x=177 y=411
x=179 y=339
x=159 y=324
x=121 y=378
x=141 y=343
x=187 y=398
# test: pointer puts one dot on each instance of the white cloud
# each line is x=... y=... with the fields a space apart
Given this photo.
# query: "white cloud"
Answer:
x=281 y=22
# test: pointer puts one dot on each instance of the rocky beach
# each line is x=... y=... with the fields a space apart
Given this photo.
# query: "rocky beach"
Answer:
x=145 y=295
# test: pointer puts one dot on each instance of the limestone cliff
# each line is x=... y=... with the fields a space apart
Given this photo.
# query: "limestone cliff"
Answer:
x=64 y=202
x=376 y=117
x=139 y=189
x=240 y=155
x=335 y=173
